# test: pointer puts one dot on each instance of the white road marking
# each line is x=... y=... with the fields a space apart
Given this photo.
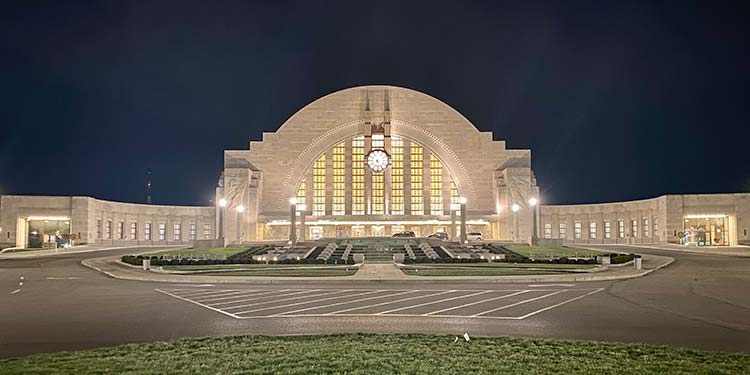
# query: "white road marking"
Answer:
x=211 y=297
x=519 y=303
x=15 y=291
x=390 y=302
x=196 y=285
x=198 y=303
x=196 y=293
x=560 y=304
x=433 y=302
x=61 y=278
x=261 y=296
x=304 y=303
x=284 y=300
x=345 y=302
x=543 y=285
x=476 y=303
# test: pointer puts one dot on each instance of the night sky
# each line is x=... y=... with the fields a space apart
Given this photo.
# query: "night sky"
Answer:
x=617 y=101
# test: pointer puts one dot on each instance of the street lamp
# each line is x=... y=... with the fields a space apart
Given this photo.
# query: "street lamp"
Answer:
x=293 y=220
x=240 y=209
x=534 y=229
x=515 y=207
x=222 y=208
x=462 y=202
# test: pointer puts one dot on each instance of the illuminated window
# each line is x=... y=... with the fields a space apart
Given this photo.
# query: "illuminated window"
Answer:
x=339 y=183
x=547 y=230
x=302 y=192
x=99 y=228
x=620 y=229
x=177 y=231
x=147 y=231
x=133 y=231
x=319 y=186
x=563 y=231
x=120 y=230
x=436 y=186
x=193 y=231
x=634 y=228
x=607 y=229
x=577 y=230
x=656 y=227
x=592 y=231
x=162 y=231
x=378 y=194
x=645 y=227
x=358 y=176
x=207 y=231
x=397 y=176
x=455 y=199
x=417 y=160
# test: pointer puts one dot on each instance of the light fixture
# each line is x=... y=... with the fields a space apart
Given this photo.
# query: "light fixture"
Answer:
x=462 y=200
x=222 y=202
x=533 y=201
x=515 y=207
x=301 y=207
x=240 y=208
x=293 y=200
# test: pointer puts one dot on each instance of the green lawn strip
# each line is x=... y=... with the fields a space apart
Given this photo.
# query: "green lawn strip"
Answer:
x=479 y=272
x=380 y=354
x=503 y=265
x=285 y=273
x=563 y=251
x=226 y=251
x=254 y=266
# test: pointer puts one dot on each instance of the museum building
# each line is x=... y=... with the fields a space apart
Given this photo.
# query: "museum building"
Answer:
x=377 y=161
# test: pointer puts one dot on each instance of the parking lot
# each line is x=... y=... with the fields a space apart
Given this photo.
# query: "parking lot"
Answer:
x=510 y=304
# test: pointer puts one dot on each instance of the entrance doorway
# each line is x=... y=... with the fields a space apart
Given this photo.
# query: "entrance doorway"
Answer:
x=706 y=230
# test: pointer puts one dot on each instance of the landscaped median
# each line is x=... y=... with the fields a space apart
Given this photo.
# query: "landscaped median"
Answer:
x=380 y=354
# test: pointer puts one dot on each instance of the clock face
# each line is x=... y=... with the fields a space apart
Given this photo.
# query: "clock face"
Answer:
x=378 y=160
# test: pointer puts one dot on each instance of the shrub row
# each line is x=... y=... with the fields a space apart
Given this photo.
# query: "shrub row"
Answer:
x=621 y=258
x=408 y=260
x=158 y=261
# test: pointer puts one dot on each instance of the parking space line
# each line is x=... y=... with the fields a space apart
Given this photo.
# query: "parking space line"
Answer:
x=198 y=303
x=285 y=299
x=390 y=302
x=343 y=303
x=560 y=304
x=433 y=302
x=304 y=303
x=258 y=296
x=519 y=303
x=222 y=297
x=195 y=293
x=210 y=297
x=476 y=303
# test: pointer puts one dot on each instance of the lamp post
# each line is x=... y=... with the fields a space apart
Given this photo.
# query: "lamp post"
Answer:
x=454 y=207
x=515 y=209
x=240 y=209
x=462 y=201
x=534 y=229
x=222 y=208
x=292 y=220
x=301 y=207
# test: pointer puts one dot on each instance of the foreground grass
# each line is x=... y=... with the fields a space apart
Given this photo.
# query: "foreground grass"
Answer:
x=226 y=251
x=285 y=272
x=503 y=265
x=477 y=272
x=379 y=354
x=563 y=251
x=252 y=266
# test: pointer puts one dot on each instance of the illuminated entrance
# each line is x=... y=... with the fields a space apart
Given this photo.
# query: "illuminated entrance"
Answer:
x=708 y=230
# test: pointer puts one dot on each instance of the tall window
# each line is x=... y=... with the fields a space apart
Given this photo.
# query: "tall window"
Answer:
x=417 y=199
x=397 y=176
x=563 y=230
x=193 y=231
x=378 y=194
x=319 y=186
x=656 y=227
x=620 y=229
x=121 y=230
x=577 y=230
x=134 y=231
x=634 y=228
x=607 y=229
x=547 y=230
x=147 y=231
x=436 y=186
x=99 y=228
x=302 y=193
x=645 y=227
x=177 y=231
x=207 y=231
x=455 y=199
x=358 y=176
x=592 y=231
x=108 y=230
x=339 y=184
x=162 y=231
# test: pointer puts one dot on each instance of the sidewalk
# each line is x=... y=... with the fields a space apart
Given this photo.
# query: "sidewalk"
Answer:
x=374 y=272
x=72 y=250
x=738 y=251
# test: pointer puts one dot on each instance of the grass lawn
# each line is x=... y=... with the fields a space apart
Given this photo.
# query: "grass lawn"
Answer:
x=478 y=272
x=505 y=265
x=380 y=354
x=249 y=266
x=227 y=251
x=286 y=273
x=563 y=251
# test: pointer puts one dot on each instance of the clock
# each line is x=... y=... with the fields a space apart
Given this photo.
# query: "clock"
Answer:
x=378 y=160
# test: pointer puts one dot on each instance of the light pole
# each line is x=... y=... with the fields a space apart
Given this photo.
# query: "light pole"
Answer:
x=222 y=208
x=534 y=229
x=301 y=207
x=292 y=220
x=462 y=201
x=240 y=209
x=454 y=207
x=515 y=209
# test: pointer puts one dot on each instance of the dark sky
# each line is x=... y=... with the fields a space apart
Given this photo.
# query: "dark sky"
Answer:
x=617 y=101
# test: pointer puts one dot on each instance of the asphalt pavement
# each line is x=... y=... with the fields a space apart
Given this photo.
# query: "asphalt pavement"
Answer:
x=54 y=303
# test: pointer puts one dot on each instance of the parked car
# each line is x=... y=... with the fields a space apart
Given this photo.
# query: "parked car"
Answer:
x=407 y=233
x=474 y=236
x=439 y=235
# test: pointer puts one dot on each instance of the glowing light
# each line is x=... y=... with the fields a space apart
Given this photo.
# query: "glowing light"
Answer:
x=301 y=207
x=240 y=208
x=222 y=202
x=533 y=201
x=462 y=200
x=293 y=201
x=706 y=216
x=515 y=207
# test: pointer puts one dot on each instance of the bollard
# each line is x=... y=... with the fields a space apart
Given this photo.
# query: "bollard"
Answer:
x=146 y=264
x=638 y=263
